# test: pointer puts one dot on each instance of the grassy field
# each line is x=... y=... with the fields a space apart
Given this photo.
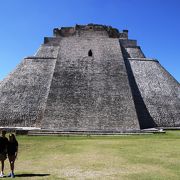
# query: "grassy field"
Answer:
x=136 y=157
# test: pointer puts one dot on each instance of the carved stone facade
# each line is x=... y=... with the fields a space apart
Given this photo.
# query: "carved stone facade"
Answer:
x=90 y=78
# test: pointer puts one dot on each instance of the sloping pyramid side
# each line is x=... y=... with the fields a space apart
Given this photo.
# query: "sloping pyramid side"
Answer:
x=24 y=92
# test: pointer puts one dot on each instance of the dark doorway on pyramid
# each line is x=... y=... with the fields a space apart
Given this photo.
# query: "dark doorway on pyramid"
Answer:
x=90 y=53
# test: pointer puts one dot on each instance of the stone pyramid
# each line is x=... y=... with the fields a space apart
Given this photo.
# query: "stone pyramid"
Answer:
x=89 y=78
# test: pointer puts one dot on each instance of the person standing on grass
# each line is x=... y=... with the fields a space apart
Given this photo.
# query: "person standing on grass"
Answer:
x=3 y=150
x=12 y=151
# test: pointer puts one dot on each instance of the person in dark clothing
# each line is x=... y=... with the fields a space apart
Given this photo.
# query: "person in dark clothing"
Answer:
x=3 y=151
x=12 y=150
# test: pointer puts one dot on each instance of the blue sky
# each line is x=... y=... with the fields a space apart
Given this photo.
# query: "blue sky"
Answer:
x=153 y=23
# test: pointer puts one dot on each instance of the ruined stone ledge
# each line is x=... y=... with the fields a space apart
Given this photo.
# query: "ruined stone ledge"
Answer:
x=19 y=130
x=93 y=28
x=33 y=131
x=46 y=132
x=34 y=57
x=143 y=59
x=128 y=43
x=53 y=40
x=86 y=134
x=132 y=46
x=170 y=128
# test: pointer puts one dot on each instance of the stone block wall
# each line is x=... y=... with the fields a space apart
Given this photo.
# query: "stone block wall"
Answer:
x=24 y=92
x=90 y=93
x=135 y=52
x=155 y=92
x=128 y=43
x=160 y=92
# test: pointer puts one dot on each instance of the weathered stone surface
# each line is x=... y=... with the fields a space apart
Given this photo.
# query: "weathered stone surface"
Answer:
x=24 y=92
x=90 y=93
x=90 y=78
x=135 y=52
x=90 y=30
x=160 y=92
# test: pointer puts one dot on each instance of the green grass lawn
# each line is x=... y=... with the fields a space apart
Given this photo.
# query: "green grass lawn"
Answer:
x=136 y=157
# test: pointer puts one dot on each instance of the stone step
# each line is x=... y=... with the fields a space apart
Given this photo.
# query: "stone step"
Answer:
x=49 y=132
x=77 y=134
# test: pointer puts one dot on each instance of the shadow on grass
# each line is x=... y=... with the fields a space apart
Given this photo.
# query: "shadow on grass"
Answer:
x=31 y=175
